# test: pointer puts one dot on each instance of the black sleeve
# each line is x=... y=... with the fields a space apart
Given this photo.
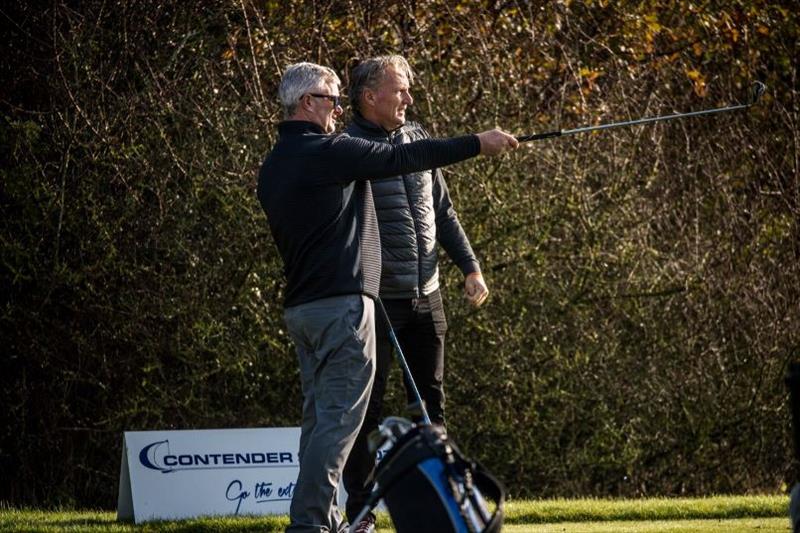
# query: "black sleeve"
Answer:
x=352 y=158
x=449 y=232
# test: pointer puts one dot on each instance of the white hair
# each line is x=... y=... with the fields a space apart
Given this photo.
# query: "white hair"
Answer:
x=301 y=78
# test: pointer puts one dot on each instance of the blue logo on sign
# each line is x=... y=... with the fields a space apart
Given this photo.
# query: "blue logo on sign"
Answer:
x=149 y=458
x=158 y=456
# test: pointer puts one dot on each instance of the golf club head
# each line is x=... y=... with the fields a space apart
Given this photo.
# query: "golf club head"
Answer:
x=376 y=439
x=756 y=92
x=395 y=426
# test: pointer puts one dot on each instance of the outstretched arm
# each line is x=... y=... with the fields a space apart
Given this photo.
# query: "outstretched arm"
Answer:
x=355 y=158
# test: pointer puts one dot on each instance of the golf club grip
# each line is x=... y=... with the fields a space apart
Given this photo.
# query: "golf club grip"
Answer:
x=538 y=136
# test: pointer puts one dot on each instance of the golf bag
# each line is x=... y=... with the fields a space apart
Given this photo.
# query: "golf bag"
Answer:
x=429 y=486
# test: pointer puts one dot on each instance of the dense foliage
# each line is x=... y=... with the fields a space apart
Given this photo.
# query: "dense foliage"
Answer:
x=645 y=281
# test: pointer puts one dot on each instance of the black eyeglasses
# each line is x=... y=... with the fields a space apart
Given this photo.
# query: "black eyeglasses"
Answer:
x=335 y=99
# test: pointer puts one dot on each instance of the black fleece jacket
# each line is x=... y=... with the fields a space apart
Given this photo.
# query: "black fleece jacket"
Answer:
x=314 y=190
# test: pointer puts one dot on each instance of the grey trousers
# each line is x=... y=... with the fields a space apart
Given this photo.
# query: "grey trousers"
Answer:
x=335 y=342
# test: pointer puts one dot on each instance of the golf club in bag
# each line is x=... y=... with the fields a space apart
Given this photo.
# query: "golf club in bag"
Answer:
x=424 y=480
x=756 y=92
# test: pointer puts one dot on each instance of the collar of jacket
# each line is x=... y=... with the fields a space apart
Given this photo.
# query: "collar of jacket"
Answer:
x=298 y=127
x=372 y=130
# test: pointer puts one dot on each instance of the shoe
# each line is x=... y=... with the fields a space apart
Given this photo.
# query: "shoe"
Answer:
x=367 y=524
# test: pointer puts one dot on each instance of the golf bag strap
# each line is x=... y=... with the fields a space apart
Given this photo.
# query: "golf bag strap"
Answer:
x=378 y=492
x=494 y=490
x=382 y=488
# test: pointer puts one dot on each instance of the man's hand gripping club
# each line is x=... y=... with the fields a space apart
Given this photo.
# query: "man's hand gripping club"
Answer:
x=496 y=142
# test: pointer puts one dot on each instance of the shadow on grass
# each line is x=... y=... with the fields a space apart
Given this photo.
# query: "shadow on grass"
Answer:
x=73 y=523
x=261 y=525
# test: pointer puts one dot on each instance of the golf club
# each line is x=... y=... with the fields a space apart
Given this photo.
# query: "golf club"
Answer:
x=425 y=418
x=756 y=92
x=374 y=497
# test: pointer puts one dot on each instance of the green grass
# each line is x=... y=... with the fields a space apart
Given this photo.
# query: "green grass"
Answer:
x=722 y=507
x=739 y=525
x=673 y=515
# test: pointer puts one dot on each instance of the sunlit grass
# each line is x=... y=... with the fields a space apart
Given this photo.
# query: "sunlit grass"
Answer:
x=717 y=514
x=738 y=525
x=533 y=511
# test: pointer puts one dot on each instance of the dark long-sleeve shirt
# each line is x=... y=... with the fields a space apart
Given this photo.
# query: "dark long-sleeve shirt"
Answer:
x=314 y=189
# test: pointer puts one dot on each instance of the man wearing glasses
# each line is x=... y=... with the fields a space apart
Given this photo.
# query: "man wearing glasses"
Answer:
x=414 y=212
x=314 y=190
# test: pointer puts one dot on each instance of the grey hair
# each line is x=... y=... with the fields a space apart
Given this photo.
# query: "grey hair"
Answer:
x=301 y=78
x=369 y=73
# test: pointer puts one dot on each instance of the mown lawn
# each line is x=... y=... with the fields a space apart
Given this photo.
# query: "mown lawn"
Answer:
x=715 y=514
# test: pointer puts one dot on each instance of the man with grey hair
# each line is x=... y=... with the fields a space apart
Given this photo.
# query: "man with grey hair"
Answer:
x=414 y=212
x=314 y=189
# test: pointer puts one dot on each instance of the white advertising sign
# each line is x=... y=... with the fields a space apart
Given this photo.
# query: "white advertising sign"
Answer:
x=184 y=474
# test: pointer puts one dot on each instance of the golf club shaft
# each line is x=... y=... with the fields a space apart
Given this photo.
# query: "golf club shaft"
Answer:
x=372 y=501
x=758 y=90
x=425 y=418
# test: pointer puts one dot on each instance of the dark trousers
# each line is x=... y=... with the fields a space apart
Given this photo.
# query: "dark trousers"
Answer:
x=420 y=327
